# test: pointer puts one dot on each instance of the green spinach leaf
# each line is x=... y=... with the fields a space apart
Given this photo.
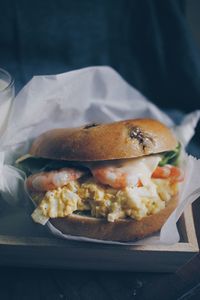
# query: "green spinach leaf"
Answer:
x=171 y=157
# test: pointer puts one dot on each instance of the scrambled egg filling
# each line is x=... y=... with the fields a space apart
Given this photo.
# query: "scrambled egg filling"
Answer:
x=105 y=202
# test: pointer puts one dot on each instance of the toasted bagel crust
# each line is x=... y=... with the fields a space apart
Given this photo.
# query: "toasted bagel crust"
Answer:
x=124 y=139
x=120 y=230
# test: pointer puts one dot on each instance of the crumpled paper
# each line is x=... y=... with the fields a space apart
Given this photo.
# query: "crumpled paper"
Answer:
x=95 y=94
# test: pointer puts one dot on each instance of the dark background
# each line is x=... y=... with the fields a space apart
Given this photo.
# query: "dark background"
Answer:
x=147 y=41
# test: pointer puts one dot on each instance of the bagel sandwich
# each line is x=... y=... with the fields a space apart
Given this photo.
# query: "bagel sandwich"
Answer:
x=117 y=181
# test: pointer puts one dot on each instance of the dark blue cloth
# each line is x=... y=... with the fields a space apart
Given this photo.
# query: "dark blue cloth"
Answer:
x=147 y=41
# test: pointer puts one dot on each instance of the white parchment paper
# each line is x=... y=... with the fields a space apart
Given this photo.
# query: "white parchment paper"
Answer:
x=95 y=94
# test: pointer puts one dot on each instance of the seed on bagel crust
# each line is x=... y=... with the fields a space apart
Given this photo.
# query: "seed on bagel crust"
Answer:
x=91 y=125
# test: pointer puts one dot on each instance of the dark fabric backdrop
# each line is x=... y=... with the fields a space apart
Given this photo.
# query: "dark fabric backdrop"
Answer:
x=147 y=41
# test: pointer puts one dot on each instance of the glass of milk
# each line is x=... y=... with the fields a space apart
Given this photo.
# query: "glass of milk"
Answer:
x=7 y=93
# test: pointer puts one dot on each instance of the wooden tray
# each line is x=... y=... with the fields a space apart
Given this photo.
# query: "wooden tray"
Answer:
x=58 y=253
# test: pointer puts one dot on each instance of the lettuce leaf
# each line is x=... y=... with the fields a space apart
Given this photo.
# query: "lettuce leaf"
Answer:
x=171 y=157
x=31 y=165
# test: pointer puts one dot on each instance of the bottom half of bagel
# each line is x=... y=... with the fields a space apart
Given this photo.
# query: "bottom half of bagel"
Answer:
x=120 y=230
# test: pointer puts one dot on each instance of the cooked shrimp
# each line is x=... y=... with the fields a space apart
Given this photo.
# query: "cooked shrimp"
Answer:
x=46 y=181
x=162 y=172
x=173 y=173
x=117 y=178
x=120 y=177
x=123 y=173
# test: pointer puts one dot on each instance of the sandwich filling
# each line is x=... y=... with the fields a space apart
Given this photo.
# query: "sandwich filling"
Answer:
x=133 y=188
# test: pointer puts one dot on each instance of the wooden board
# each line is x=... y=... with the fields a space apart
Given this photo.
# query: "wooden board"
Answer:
x=58 y=253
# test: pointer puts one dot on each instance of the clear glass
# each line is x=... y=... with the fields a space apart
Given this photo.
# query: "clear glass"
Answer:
x=7 y=94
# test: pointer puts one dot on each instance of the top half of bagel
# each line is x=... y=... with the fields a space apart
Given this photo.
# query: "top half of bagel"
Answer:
x=96 y=142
